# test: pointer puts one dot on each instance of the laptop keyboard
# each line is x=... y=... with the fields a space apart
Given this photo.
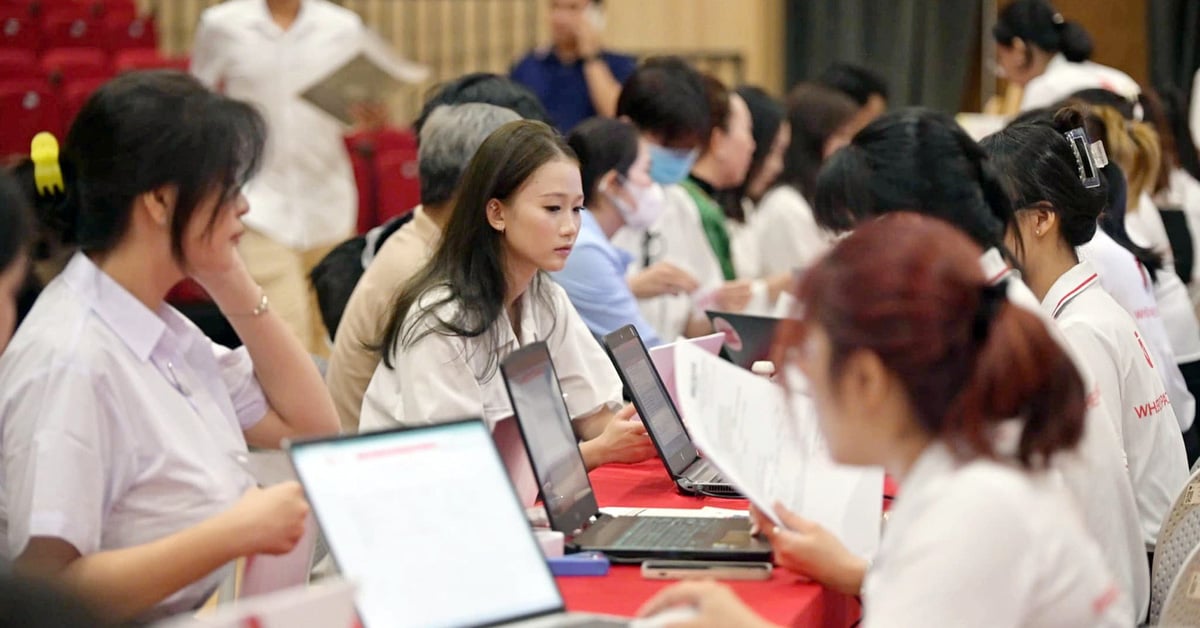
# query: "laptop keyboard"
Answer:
x=658 y=532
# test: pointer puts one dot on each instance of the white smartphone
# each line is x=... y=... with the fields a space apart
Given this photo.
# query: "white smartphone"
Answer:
x=704 y=570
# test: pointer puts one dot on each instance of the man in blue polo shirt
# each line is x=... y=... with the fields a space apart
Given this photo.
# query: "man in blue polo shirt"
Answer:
x=574 y=77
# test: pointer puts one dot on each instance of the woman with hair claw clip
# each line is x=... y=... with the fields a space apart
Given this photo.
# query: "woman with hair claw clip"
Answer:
x=123 y=429
x=1053 y=180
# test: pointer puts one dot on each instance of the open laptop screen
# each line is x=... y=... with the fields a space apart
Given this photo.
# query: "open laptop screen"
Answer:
x=425 y=522
x=650 y=397
x=546 y=427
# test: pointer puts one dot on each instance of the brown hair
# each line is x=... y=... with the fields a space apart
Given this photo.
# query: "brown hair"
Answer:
x=968 y=359
x=1134 y=147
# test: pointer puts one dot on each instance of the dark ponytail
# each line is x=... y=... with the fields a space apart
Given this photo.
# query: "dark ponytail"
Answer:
x=16 y=229
x=1038 y=23
x=968 y=359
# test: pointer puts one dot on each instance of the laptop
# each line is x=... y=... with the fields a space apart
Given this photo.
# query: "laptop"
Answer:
x=747 y=338
x=692 y=474
x=567 y=491
x=425 y=522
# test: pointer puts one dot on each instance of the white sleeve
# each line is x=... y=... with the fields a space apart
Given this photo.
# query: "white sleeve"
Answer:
x=61 y=463
x=206 y=64
x=437 y=382
x=587 y=377
x=1104 y=371
x=246 y=394
x=969 y=563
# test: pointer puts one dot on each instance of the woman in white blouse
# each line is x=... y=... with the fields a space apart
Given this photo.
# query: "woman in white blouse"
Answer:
x=1046 y=54
x=122 y=426
x=913 y=362
x=1058 y=193
x=784 y=230
x=485 y=293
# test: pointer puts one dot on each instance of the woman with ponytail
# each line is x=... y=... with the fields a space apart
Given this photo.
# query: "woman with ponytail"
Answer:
x=914 y=363
x=1047 y=54
x=1054 y=184
x=121 y=424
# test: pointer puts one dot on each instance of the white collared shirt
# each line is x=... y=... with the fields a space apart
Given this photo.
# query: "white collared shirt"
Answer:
x=1063 y=78
x=983 y=544
x=1095 y=472
x=786 y=232
x=1106 y=338
x=118 y=425
x=441 y=378
x=305 y=195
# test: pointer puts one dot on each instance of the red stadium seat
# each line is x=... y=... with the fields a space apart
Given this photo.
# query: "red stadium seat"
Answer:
x=66 y=65
x=399 y=183
x=18 y=29
x=72 y=27
x=74 y=95
x=19 y=65
x=130 y=32
x=385 y=171
x=146 y=59
x=27 y=107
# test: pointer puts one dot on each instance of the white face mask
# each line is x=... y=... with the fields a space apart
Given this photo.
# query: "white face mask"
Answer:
x=648 y=201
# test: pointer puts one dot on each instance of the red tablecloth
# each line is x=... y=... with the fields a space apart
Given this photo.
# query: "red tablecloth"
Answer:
x=784 y=599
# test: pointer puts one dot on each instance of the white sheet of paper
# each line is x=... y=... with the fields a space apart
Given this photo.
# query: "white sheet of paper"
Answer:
x=744 y=424
x=267 y=574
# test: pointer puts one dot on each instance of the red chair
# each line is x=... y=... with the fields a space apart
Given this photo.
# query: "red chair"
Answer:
x=147 y=59
x=120 y=9
x=27 y=107
x=66 y=65
x=72 y=27
x=378 y=157
x=18 y=65
x=74 y=96
x=28 y=8
x=399 y=183
x=18 y=29
x=130 y=32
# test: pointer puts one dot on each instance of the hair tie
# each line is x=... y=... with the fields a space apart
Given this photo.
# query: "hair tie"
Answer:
x=47 y=173
x=991 y=298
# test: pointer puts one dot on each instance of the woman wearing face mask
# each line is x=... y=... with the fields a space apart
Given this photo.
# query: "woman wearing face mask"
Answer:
x=1058 y=204
x=122 y=423
x=913 y=361
x=785 y=232
x=1047 y=55
x=614 y=167
x=485 y=293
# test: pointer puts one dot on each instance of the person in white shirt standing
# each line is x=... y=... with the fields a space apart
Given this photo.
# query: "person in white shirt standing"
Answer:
x=1058 y=192
x=267 y=52
x=1046 y=54
x=914 y=362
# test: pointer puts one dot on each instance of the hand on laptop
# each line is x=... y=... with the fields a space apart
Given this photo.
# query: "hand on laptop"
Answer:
x=810 y=550
x=716 y=605
x=662 y=278
x=624 y=441
x=269 y=520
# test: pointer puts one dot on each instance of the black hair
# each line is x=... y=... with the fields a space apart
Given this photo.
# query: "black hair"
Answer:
x=467 y=267
x=1102 y=97
x=602 y=144
x=920 y=160
x=815 y=113
x=766 y=116
x=137 y=133
x=1038 y=164
x=16 y=227
x=854 y=81
x=486 y=88
x=1175 y=110
x=1038 y=23
x=666 y=96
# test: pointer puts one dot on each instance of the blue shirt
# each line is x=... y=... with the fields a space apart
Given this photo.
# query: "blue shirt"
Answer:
x=562 y=87
x=594 y=279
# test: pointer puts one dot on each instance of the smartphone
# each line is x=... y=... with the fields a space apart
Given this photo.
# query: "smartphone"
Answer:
x=700 y=569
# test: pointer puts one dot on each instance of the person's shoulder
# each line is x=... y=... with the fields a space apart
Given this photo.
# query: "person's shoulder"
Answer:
x=531 y=61
x=332 y=14
x=781 y=196
x=230 y=13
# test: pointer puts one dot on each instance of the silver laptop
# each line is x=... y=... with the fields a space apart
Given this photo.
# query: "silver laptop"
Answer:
x=425 y=522
x=567 y=493
x=692 y=474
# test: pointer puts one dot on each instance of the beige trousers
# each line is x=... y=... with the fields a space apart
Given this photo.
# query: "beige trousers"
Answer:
x=283 y=274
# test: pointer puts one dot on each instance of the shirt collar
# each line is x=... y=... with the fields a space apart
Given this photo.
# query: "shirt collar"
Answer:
x=995 y=269
x=706 y=187
x=529 y=318
x=264 y=21
x=590 y=231
x=935 y=461
x=138 y=327
x=425 y=228
x=1070 y=285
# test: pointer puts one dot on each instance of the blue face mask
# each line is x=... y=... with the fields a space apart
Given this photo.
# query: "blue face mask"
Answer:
x=669 y=166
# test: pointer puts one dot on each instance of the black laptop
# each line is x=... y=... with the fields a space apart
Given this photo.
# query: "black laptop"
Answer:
x=693 y=475
x=567 y=491
x=747 y=338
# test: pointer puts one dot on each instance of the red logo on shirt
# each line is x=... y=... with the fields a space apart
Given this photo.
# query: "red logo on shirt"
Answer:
x=1143 y=346
x=1154 y=407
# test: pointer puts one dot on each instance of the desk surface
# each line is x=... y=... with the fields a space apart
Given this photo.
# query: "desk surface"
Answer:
x=784 y=599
